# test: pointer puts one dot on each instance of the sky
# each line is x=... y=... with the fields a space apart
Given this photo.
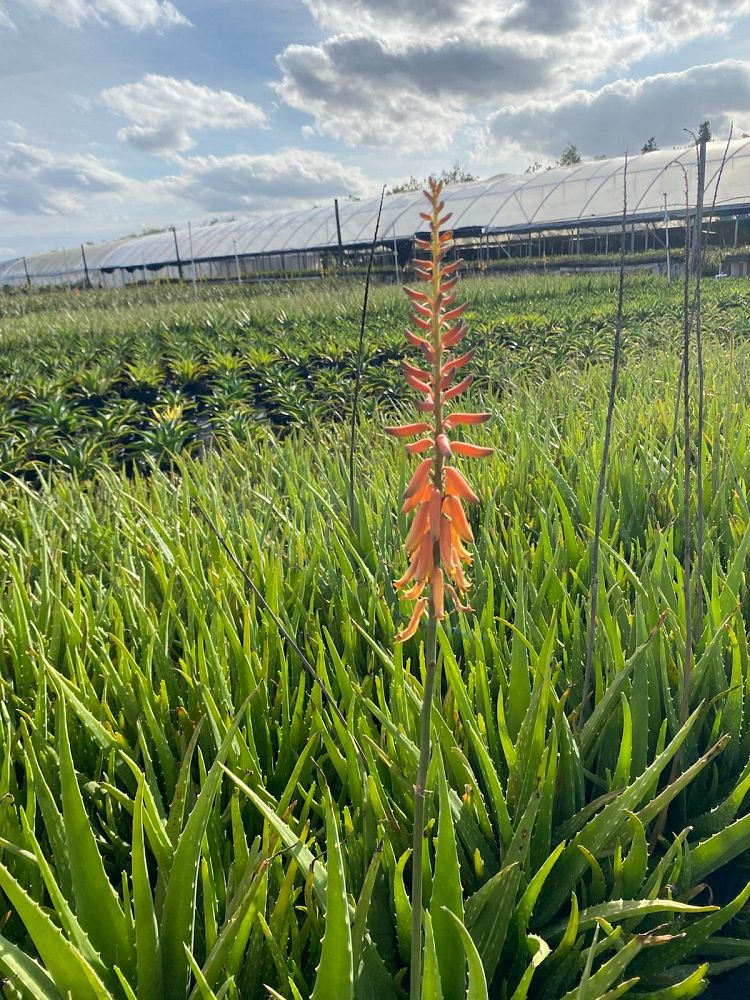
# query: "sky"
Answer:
x=121 y=115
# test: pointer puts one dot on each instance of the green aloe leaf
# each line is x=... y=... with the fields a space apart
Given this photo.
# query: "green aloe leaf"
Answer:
x=335 y=975
x=97 y=905
x=447 y=895
x=477 y=989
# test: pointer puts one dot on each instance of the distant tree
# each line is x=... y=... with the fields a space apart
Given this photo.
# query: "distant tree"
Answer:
x=570 y=156
x=455 y=175
x=534 y=168
x=413 y=184
x=601 y=156
x=704 y=132
x=650 y=146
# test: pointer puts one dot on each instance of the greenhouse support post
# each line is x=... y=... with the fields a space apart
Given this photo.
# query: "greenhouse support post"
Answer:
x=192 y=260
x=86 y=268
x=67 y=272
x=666 y=239
x=338 y=231
x=237 y=262
x=28 y=276
x=177 y=252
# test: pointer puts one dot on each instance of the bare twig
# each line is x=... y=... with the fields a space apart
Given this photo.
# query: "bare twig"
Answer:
x=700 y=250
x=360 y=352
x=698 y=255
x=603 y=467
x=687 y=561
x=687 y=664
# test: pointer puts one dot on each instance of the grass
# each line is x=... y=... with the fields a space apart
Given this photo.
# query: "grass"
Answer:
x=232 y=836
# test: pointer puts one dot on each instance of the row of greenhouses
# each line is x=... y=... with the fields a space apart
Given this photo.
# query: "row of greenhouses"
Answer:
x=552 y=211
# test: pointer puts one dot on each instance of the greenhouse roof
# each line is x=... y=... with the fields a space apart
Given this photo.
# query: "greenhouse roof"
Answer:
x=587 y=194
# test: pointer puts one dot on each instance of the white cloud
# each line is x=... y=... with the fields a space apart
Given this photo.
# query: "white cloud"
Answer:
x=33 y=180
x=363 y=91
x=407 y=73
x=36 y=181
x=694 y=17
x=289 y=178
x=165 y=111
x=137 y=15
x=626 y=113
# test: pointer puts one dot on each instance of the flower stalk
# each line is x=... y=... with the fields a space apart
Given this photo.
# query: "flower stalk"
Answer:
x=439 y=531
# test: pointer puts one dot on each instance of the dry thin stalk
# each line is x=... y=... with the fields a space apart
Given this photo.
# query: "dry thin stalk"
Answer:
x=360 y=353
x=439 y=529
x=687 y=664
x=687 y=561
x=604 y=462
x=698 y=256
x=700 y=251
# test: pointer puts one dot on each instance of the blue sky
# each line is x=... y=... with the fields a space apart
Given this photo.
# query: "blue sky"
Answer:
x=124 y=114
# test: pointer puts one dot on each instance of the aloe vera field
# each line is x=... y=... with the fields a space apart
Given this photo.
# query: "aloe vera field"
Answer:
x=217 y=763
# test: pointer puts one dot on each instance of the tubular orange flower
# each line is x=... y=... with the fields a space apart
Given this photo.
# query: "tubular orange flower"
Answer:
x=435 y=543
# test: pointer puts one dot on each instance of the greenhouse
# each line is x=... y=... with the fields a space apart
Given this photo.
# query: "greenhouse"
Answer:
x=555 y=211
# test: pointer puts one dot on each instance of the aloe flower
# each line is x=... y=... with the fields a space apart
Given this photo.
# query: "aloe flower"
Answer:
x=439 y=531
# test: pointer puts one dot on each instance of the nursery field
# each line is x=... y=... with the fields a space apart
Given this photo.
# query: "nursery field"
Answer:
x=208 y=736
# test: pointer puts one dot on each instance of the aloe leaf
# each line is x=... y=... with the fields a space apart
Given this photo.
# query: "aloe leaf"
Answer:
x=98 y=908
x=69 y=971
x=605 y=826
x=488 y=914
x=477 y=989
x=177 y=920
x=447 y=895
x=693 y=936
x=362 y=909
x=431 y=987
x=720 y=849
x=148 y=957
x=686 y=989
x=597 y=985
x=540 y=953
x=335 y=975
x=26 y=972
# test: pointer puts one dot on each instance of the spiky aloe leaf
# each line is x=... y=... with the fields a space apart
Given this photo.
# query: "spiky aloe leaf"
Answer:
x=477 y=989
x=447 y=896
x=67 y=968
x=97 y=905
x=335 y=975
x=26 y=972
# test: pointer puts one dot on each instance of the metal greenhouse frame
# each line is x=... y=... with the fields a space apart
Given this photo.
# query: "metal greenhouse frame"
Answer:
x=563 y=204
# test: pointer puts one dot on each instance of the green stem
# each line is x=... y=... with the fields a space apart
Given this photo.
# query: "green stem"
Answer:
x=425 y=747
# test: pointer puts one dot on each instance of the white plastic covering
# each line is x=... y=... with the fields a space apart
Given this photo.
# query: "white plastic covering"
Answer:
x=585 y=195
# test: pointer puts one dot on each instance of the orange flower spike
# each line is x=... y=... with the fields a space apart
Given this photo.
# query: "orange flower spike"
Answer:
x=436 y=539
